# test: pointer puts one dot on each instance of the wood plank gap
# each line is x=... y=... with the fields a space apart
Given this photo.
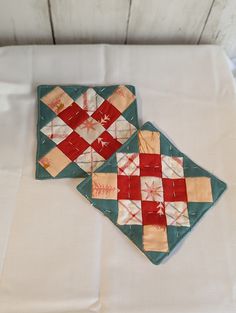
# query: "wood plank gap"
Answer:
x=51 y=21
x=204 y=26
x=127 y=22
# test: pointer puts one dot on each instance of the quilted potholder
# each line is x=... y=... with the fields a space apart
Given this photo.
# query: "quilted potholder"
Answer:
x=79 y=127
x=152 y=192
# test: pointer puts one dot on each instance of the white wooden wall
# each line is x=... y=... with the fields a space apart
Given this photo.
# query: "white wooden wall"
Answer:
x=119 y=21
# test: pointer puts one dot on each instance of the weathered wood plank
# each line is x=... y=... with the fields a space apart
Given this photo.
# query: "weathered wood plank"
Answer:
x=167 y=21
x=221 y=26
x=116 y=21
x=93 y=21
x=24 y=22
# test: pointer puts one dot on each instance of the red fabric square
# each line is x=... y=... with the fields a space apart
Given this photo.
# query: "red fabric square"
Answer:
x=153 y=213
x=128 y=187
x=150 y=164
x=174 y=189
x=106 y=145
x=106 y=114
x=73 y=146
x=73 y=115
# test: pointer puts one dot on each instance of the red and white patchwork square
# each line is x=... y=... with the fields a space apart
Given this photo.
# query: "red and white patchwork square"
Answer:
x=90 y=130
x=57 y=130
x=129 y=187
x=57 y=100
x=152 y=189
x=152 y=197
x=121 y=98
x=73 y=146
x=73 y=115
x=150 y=164
x=89 y=101
x=106 y=145
x=128 y=163
x=89 y=160
x=129 y=212
x=87 y=130
x=177 y=214
x=106 y=114
x=153 y=213
x=172 y=167
x=121 y=129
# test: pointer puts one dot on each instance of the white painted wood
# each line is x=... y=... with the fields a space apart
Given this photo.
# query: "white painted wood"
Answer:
x=24 y=22
x=115 y=21
x=91 y=21
x=221 y=26
x=167 y=21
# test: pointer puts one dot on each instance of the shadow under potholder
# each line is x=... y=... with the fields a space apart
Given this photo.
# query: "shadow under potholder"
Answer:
x=79 y=127
x=152 y=192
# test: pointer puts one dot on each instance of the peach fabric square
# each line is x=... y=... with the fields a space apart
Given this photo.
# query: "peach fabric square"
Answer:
x=57 y=100
x=104 y=185
x=199 y=189
x=149 y=142
x=55 y=161
x=121 y=98
x=155 y=238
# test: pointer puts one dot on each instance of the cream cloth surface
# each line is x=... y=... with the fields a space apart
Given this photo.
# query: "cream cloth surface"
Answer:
x=60 y=255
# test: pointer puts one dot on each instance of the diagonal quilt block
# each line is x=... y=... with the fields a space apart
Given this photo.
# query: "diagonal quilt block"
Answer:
x=79 y=127
x=152 y=192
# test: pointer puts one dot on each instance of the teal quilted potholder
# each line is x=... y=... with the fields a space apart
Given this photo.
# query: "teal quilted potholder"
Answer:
x=152 y=192
x=79 y=127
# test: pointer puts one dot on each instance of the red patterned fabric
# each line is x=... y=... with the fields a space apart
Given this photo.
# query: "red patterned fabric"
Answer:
x=106 y=114
x=128 y=187
x=73 y=146
x=175 y=189
x=73 y=115
x=105 y=145
x=150 y=164
x=153 y=213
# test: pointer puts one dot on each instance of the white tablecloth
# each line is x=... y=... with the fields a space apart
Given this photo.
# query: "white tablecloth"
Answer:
x=60 y=255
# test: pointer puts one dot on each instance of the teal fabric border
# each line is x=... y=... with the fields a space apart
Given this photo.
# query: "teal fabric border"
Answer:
x=134 y=232
x=45 y=115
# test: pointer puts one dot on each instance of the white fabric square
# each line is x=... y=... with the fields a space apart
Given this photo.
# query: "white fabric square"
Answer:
x=128 y=163
x=89 y=160
x=121 y=129
x=130 y=212
x=177 y=214
x=172 y=167
x=151 y=188
x=57 y=130
x=90 y=130
x=89 y=101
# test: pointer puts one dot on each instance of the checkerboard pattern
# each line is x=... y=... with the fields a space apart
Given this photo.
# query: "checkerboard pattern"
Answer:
x=80 y=127
x=152 y=192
